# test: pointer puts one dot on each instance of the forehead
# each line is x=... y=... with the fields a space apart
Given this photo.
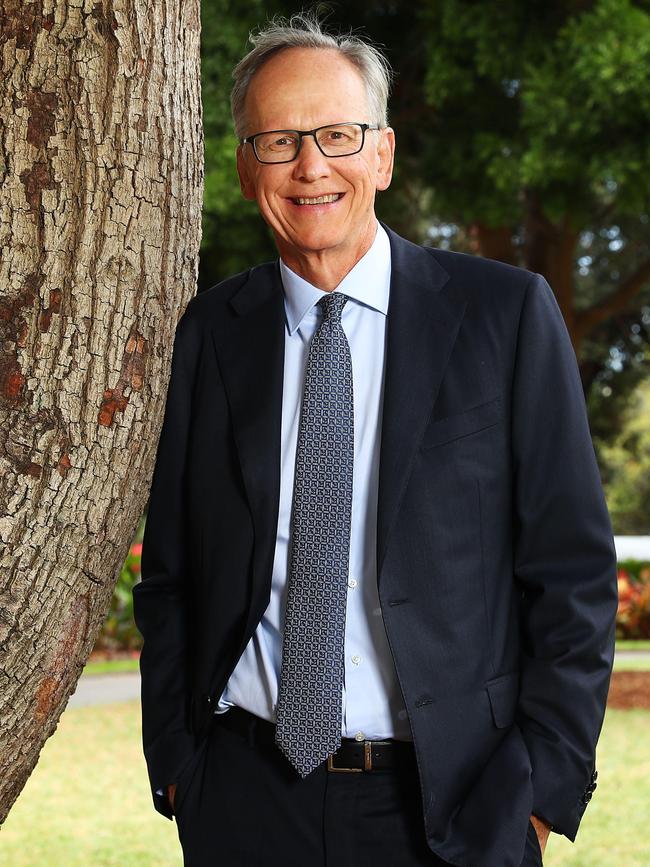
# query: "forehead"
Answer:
x=304 y=88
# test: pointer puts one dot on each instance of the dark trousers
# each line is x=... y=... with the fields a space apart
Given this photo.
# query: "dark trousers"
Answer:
x=239 y=803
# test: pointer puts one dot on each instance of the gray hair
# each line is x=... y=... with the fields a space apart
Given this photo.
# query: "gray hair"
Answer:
x=303 y=30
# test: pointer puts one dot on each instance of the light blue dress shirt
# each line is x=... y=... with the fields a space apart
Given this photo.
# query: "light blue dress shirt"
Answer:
x=372 y=702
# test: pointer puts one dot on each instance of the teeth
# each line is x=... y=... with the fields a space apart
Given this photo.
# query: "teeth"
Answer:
x=321 y=200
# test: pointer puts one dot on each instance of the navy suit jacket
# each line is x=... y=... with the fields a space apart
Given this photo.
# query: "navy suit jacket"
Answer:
x=496 y=562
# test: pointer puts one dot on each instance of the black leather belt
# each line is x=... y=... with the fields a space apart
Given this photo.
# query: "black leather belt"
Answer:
x=352 y=756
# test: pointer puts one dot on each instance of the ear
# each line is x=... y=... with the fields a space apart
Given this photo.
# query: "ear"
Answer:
x=386 y=155
x=245 y=175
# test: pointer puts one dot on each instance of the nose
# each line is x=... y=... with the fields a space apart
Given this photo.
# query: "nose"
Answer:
x=310 y=164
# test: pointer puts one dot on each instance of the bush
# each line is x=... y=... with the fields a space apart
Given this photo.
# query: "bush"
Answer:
x=119 y=631
x=633 y=616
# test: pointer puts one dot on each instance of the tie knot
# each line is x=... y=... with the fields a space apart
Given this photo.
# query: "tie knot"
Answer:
x=332 y=306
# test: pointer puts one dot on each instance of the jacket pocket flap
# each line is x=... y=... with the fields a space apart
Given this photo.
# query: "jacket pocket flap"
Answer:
x=504 y=693
x=462 y=423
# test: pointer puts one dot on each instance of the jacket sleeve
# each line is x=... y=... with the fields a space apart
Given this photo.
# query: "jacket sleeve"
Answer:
x=159 y=599
x=564 y=562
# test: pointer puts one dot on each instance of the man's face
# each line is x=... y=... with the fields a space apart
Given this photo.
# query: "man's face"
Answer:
x=304 y=88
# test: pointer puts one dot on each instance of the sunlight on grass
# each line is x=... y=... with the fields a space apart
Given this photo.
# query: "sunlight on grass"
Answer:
x=115 y=666
x=614 y=828
x=631 y=664
x=88 y=801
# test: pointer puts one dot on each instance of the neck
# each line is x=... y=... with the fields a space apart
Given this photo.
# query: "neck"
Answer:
x=326 y=268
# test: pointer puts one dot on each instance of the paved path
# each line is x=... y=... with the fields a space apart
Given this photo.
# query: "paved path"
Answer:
x=105 y=689
x=108 y=688
x=643 y=655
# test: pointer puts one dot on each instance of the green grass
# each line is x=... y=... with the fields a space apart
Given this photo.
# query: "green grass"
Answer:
x=622 y=644
x=88 y=803
x=614 y=828
x=114 y=666
x=631 y=664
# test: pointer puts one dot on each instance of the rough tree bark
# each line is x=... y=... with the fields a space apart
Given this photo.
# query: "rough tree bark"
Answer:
x=101 y=187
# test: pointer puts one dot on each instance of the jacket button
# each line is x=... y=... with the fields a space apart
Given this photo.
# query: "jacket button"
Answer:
x=587 y=796
x=594 y=776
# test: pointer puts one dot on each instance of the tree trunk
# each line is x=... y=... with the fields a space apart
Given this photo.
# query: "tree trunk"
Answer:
x=101 y=188
x=554 y=258
x=494 y=243
x=548 y=249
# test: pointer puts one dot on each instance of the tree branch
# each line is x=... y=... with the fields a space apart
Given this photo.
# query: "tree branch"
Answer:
x=586 y=320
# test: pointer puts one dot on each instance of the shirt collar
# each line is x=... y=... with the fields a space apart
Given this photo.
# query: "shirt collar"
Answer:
x=368 y=282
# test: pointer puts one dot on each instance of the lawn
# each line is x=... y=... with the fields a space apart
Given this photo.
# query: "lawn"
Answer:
x=88 y=802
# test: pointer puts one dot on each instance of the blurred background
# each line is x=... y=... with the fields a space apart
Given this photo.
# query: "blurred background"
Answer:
x=522 y=134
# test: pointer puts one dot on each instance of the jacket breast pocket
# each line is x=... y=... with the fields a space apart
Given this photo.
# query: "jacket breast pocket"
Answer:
x=462 y=424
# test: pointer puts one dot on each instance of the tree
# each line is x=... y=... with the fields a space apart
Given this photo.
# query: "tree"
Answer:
x=102 y=181
x=234 y=235
x=627 y=459
x=545 y=140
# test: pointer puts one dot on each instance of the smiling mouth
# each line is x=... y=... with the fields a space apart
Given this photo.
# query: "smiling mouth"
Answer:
x=317 y=200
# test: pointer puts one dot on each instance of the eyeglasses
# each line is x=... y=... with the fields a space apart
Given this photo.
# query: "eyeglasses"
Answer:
x=283 y=145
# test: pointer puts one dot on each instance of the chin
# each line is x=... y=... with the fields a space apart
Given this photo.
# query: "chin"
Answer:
x=317 y=239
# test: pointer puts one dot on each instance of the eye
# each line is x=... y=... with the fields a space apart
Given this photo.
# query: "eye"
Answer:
x=283 y=141
x=276 y=142
x=337 y=135
x=340 y=139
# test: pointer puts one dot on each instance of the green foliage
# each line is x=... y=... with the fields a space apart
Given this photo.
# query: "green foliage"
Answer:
x=234 y=236
x=627 y=459
x=119 y=631
x=633 y=615
x=638 y=571
x=549 y=97
x=586 y=108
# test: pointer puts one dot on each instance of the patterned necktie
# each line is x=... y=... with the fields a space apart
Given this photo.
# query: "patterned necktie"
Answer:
x=308 y=718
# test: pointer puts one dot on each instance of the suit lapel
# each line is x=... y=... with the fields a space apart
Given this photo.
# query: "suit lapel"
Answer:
x=422 y=327
x=250 y=353
x=421 y=330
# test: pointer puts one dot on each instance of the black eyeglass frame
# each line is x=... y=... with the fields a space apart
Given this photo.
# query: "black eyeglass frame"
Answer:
x=302 y=133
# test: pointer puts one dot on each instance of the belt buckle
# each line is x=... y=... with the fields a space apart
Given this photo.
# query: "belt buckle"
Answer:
x=367 y=761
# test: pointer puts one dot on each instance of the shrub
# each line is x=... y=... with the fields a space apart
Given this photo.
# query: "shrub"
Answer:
x=633 y=616
x=119 y=631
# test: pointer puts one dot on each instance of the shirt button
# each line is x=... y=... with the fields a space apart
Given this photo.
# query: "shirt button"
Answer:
x=359 y=736
x=356 y=659
x=376 y=611
x=402 y=714
x=352 y=582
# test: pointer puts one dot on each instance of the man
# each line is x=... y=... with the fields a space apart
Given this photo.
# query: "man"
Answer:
x=379 y=580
